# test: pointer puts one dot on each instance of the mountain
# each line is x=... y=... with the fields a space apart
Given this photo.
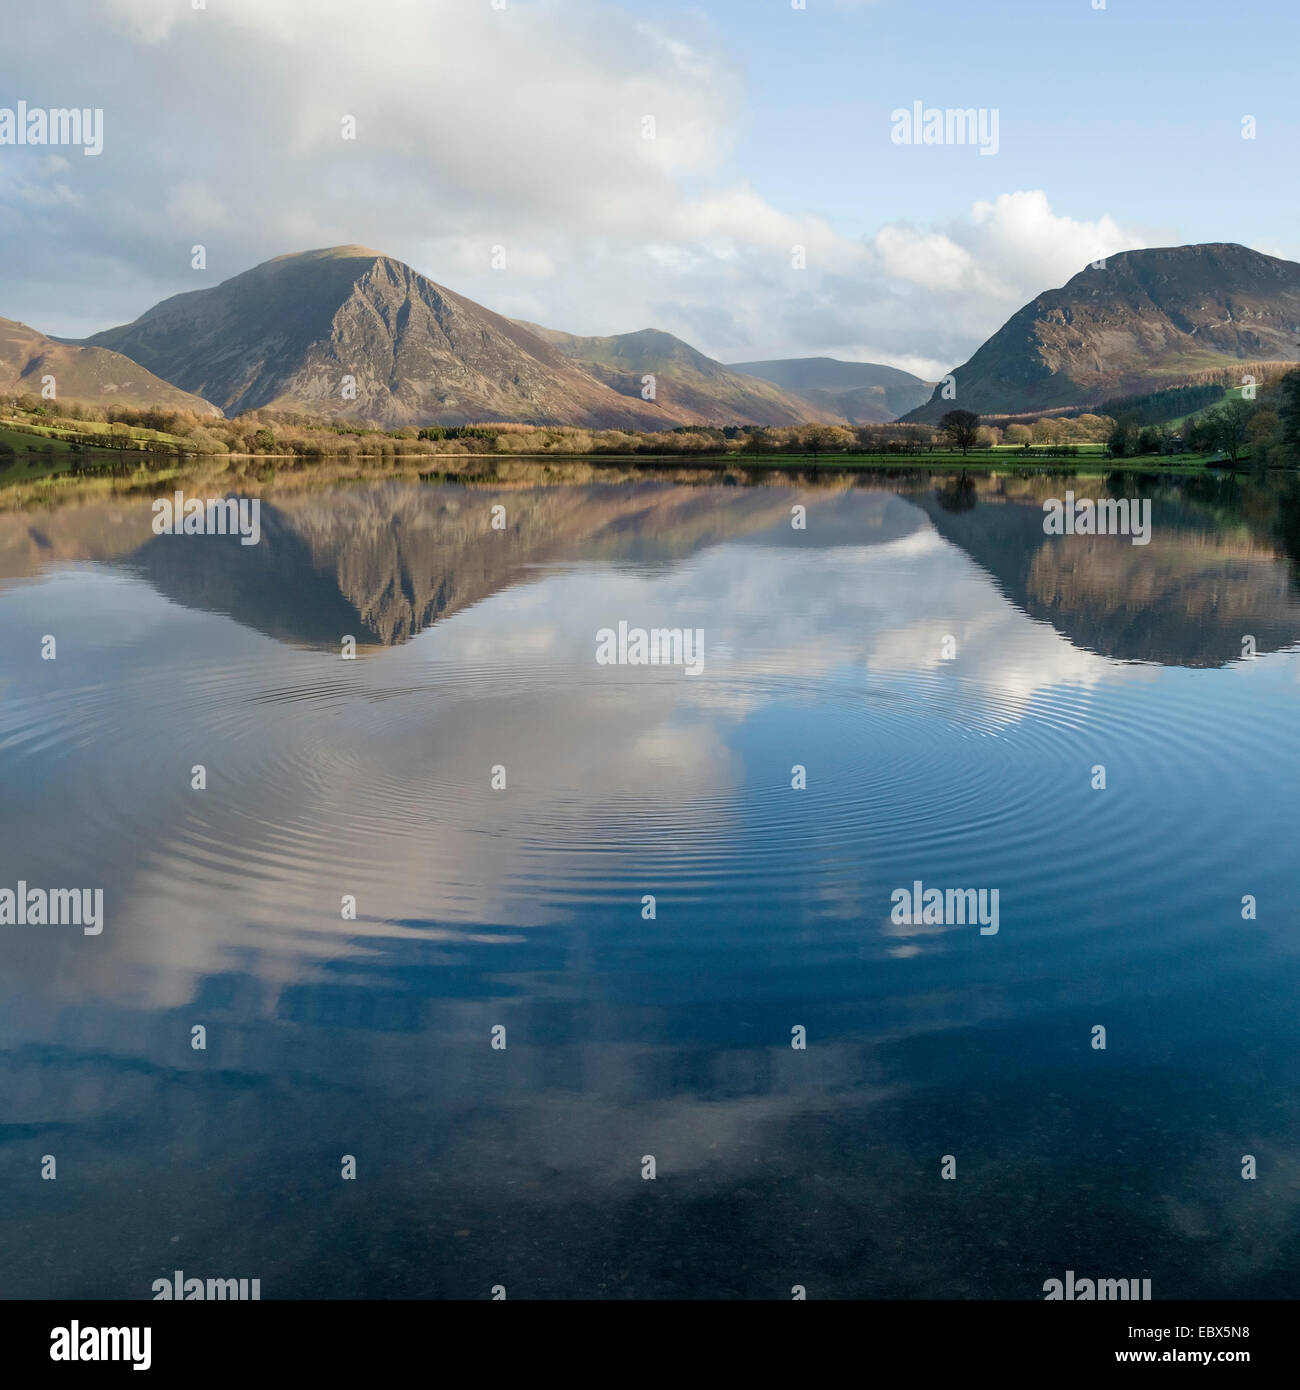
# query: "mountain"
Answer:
x=288 y=332
x=92 y=375
x=1146 y=320
x=689 y=387
x=863 y=393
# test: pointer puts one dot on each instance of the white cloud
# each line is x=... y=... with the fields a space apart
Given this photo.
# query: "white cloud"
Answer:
x=1021 y=238
x=972 y=273
x=928 y=259
x=522 y=128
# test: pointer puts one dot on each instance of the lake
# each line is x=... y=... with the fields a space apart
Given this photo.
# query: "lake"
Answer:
x=512 y=927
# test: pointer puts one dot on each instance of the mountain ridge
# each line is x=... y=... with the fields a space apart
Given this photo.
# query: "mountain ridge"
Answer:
x=692 y=386
x=91 y=375
x=347 y=332
x=862 y=392
x=1140 y=321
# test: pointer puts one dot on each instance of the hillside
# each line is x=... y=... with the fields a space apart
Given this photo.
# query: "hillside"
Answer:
x=286 y=333
x=690 y=387
x=862 y=393
x=93 y=375
x=1147 y=320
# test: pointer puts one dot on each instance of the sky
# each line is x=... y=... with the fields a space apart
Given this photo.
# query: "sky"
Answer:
x=502 y=148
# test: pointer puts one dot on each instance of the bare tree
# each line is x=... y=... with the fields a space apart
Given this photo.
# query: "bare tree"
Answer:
x=961 y=428
x=1228 y=424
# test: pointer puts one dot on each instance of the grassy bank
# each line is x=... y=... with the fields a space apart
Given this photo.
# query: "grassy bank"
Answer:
x=997 y=460
x=68 y=467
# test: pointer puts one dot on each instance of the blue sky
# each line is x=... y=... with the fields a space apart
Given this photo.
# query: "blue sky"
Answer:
x=520 y=128
x=1120 y=111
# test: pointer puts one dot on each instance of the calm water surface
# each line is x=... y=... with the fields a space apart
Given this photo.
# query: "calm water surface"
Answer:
x=522 y=907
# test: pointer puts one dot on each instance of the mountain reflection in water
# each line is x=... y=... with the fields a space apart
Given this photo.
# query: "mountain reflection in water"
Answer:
x=522 y=907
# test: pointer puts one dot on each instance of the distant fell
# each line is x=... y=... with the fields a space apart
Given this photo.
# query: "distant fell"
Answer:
x=349 y=332
x=92 y=375
x=1143 y=321
x=687 y=385
x=862 y=393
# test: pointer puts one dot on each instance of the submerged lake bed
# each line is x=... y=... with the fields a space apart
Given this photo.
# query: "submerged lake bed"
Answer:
x=522 y=961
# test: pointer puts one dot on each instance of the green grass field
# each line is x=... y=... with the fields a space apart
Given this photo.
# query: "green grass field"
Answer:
x=31 y=458
x=1088 y=448
x=86 y=431
x=1000 y=457
x=44 y=453
x=25 y=441
x=45 y=448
